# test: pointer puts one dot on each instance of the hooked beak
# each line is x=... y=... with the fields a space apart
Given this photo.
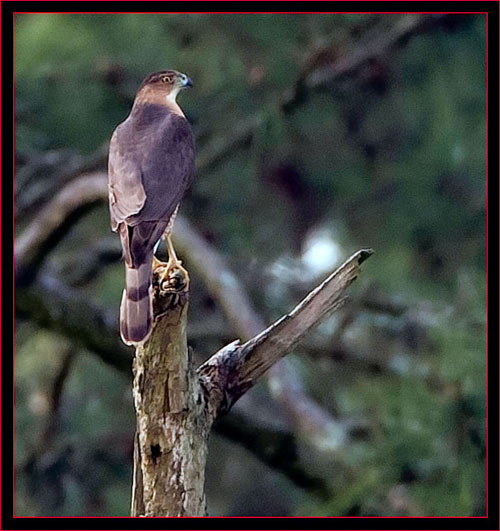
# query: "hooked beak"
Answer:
x=187 y=82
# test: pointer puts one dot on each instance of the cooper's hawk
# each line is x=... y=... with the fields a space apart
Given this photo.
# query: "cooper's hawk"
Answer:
x=151 y=164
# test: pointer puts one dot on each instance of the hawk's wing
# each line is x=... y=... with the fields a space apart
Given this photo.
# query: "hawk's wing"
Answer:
x=126 y=192
x=149 y=172
x=167 y=166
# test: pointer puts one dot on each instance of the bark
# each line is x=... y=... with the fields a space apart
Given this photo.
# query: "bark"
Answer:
x=176 y=405
x=172 y=423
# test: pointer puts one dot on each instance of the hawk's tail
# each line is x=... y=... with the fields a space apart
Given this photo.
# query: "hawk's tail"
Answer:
x=136 y=309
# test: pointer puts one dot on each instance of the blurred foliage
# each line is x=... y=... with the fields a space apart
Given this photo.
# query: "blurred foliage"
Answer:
x=391 y=157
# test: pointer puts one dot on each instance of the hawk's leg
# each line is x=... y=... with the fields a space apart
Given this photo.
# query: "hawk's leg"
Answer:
x=174 y=264
x=174 y=277
x=168 y=231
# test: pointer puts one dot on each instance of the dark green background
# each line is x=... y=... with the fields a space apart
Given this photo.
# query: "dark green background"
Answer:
x=391 y=156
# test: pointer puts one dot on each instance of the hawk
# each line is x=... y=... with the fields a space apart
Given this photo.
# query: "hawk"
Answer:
x=150 y=167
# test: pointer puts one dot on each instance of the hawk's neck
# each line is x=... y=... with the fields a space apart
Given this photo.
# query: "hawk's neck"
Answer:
x=156 y=97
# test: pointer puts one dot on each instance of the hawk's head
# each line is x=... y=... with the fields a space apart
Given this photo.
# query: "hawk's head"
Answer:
x=165 y=82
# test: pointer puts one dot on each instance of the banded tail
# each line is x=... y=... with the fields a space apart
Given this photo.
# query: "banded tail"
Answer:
x=136 y=308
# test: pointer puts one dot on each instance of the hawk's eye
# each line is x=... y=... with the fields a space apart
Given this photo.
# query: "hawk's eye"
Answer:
x=166 y=79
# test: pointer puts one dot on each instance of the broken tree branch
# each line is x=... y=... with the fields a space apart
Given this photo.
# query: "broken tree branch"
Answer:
x=56 y=306
x=42 y=241
x=236 y=368
x=310 y=420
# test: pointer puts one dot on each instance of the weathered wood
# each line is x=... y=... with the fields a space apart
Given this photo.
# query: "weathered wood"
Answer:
x=172 y=424
x=229 y=373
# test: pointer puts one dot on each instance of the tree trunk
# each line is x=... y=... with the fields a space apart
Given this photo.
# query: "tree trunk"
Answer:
x=172 y=426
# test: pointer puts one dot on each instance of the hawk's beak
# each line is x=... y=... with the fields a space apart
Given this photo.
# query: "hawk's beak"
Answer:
x=187 y=82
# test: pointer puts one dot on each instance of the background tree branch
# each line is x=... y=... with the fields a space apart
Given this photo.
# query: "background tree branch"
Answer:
x=45 y=231
x=317 y=80
x=54 y=221
x=55 y=305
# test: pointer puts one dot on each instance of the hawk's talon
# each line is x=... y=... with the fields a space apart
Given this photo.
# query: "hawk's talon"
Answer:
x=172 y=278
x=177 y=278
